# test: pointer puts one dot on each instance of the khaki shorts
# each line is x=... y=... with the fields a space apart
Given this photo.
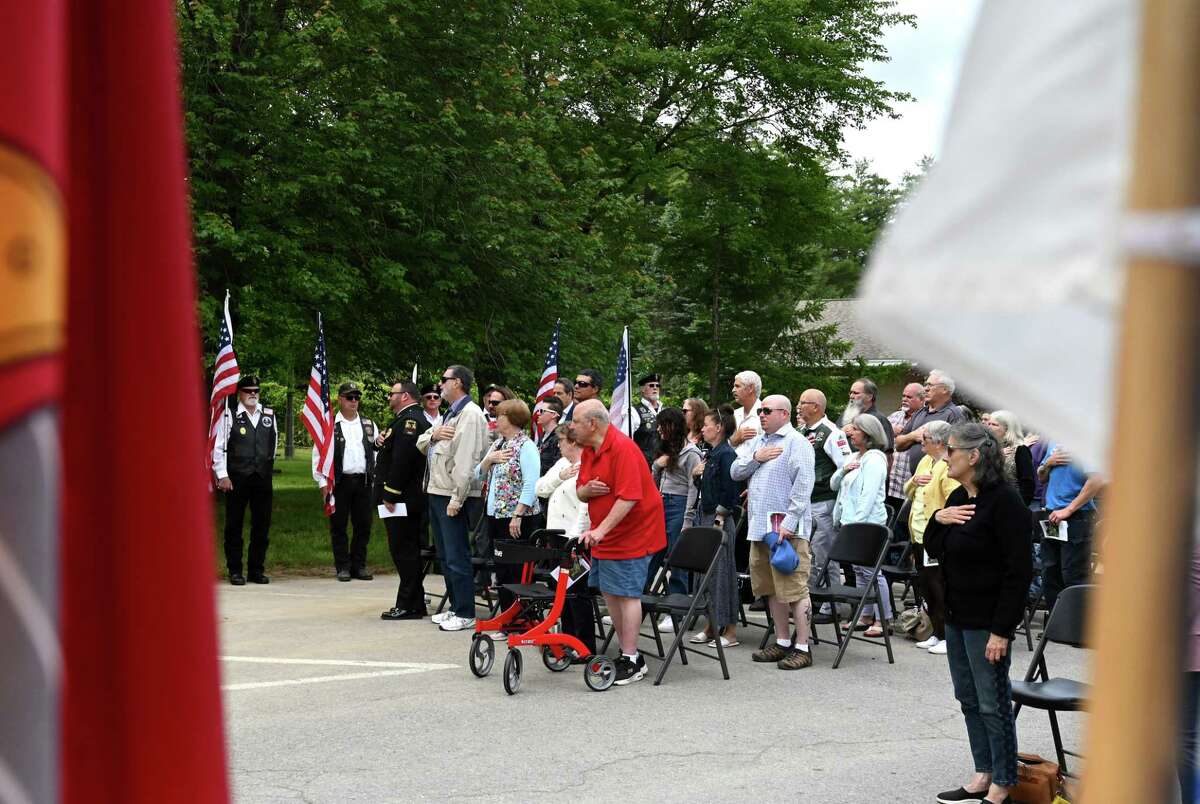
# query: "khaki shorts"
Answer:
x=766 y=581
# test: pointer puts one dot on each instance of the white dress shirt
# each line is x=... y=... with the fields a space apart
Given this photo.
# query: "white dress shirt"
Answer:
x=740 y=419
x=564 y=511
x=354 y=459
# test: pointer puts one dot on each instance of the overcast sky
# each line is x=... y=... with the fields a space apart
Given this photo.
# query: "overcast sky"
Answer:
x=924 y=63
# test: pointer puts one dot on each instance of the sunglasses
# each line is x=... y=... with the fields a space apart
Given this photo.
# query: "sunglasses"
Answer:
x=448 y=379
x=653 y=385
x=432 y=396
x=352 y=397
x=494 y=403
x=769 y=411
x=584 y=384
x=951 y=450
x=547 y=410
x=250 y=391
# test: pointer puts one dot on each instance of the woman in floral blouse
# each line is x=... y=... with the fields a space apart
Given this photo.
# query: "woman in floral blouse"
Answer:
x=510 y=472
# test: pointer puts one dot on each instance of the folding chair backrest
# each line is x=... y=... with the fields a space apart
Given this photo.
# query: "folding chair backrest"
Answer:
x=696 y=548
x=859 y=543
x=1066 y=624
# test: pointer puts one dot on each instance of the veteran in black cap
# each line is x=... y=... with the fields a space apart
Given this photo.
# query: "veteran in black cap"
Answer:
x=645 y=415
x=399 y=476
x=353 y=469
x=431 y=402
x=243 y=460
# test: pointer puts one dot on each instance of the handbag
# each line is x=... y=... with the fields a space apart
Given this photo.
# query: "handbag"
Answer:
x=1037 y=780
x=784 y=558
x=915 y=623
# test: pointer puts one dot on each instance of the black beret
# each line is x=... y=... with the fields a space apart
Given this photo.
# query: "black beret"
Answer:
x=429 y=389
x=248 y=381
x=649 y=378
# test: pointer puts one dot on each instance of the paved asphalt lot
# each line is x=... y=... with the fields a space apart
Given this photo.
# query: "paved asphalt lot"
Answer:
x=325 y=702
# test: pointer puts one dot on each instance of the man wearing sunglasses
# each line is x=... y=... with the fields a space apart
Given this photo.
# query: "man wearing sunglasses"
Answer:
x=243 y=460
x=431 y=403
x=452 y=449
x=587 y=385
x=353 y=468
x=645 y=416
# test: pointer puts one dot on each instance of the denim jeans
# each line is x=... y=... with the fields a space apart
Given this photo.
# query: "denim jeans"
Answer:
x=674 y=508
x=985 y=694
x=451 y=538
x=1189 y=737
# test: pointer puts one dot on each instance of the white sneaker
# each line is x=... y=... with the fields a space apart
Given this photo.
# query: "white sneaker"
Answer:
x=666 y=626
x=940 y=648
x=928 y=643
x=438 y=619
x=606 y=620
x=453 y=623
x=498 y=636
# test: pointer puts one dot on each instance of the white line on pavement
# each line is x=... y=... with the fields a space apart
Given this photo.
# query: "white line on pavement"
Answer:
x=419 y=667
x=257 y=685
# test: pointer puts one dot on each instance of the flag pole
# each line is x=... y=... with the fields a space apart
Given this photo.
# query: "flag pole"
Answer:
x=629 y=383
x=1137 y=621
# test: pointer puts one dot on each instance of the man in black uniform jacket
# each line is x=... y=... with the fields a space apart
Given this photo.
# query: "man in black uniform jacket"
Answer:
x=645 y=416
x=353 y=465
x=243 y=460
x=399 y=472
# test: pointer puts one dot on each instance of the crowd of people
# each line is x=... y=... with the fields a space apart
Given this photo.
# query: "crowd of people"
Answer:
x=996 y=515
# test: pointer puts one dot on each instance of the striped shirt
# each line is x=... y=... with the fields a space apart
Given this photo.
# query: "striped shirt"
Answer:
x=782 y=484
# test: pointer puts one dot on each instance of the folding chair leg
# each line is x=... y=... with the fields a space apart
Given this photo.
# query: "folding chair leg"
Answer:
x=1058 y=744
x=657 y=635
x=1028 y=629
x=676 y=646
x=675 y=624
x=602 y=633
x=845 y=642
x=720 y=649
x=769 y=632
x=887 y=636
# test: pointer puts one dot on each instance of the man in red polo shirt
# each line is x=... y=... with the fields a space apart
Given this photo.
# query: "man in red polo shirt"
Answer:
x=628 y=526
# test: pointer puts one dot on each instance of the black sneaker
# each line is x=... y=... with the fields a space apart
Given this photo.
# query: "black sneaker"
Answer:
x=629 y=671
x=237 y=579
x=961 y=795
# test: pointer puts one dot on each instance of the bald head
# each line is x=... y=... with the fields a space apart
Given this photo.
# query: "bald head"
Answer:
x=589 y=422
x=780 y=408
x=812 y=406
x=912 y=397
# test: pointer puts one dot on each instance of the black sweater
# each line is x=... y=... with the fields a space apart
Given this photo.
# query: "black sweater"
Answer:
x=987 y=562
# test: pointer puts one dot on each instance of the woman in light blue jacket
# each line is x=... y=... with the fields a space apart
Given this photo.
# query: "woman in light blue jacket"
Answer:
x=861 y=484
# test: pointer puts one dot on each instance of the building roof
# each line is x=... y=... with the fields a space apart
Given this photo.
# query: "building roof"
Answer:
x=842 y=313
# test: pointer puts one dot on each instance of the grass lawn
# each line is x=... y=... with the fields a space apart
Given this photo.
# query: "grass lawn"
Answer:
x=299 y=529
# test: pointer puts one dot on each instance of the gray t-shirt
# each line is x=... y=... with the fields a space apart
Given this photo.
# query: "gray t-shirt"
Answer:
x=948 y=413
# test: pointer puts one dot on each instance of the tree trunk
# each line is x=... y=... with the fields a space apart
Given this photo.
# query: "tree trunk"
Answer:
x=289 y=443
x=715 y=366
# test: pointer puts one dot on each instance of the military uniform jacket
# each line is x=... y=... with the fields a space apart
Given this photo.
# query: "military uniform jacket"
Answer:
x=830 y=449
x=646 y=433
x=399 y=465
x=243 y=447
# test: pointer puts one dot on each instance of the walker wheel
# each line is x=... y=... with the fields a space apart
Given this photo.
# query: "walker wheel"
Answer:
x=556 y=664
x=512 y=671
x=482 y=655
x=599 y=673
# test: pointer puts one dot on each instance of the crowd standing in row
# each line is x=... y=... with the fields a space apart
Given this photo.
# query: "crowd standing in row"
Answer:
x=974 y=497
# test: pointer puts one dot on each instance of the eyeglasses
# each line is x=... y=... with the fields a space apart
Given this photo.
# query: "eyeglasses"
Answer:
x=448 y=379
x=432 y=396
x=653 y=385
x=352 y=397
x=950 y=450
x=492 y=403
x=806 y=402
x=584 y=384
x=769 y=411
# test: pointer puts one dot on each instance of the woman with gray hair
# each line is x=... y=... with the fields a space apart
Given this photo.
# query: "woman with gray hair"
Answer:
x=927 y=491
x=981 y=540
x=861 y=485
x=1018 y=460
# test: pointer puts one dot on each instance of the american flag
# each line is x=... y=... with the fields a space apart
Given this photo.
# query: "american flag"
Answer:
x=318 y=414
x=549 y=376
x=225 y=379
x=618 y=412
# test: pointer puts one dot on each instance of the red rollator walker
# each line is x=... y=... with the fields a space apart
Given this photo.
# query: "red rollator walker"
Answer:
x=529 y=621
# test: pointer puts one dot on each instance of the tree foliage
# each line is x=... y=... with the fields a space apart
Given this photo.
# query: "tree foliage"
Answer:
x=443 y=180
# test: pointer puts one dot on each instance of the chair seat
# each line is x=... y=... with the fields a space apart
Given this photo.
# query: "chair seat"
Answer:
x=839 y=591
x=898 y=571
x=674 y=602
x=530 y=591
x=1062 y=694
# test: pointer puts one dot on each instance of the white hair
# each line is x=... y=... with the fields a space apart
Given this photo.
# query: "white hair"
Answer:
x=1013 y=434
x=750 y=378
x=943 y=379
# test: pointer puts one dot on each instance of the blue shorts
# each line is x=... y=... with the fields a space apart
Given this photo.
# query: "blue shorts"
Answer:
x=623 y=577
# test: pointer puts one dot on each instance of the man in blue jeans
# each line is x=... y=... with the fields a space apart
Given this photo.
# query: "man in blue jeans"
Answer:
x=452 y=448
x=1070 y=494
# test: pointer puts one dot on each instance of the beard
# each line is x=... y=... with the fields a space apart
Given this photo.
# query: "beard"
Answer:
x=853 y=409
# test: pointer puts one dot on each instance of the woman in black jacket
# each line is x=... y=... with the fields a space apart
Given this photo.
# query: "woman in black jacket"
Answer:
x=719 y=496
x=981 y=541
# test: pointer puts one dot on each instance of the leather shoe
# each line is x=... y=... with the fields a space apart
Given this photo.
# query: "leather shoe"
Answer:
x=343 y=575
x=822 y=618
x=402 y=614
x=237 y=579
x=259 y=578
x=362 y=575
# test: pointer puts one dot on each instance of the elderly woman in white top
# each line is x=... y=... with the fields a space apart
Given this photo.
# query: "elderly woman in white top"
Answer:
x=566 y=512
x=861 y=484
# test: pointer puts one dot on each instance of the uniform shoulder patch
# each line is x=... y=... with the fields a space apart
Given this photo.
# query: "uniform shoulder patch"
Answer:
x=268 y=412
x=410 y=426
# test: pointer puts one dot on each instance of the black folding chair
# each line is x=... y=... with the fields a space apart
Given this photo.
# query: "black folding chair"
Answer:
x=864 y=544
x=1054 y=695
x=903 y=569
x=696 y=551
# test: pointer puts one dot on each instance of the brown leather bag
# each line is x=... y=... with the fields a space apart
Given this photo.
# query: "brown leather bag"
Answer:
x=1037 y=780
